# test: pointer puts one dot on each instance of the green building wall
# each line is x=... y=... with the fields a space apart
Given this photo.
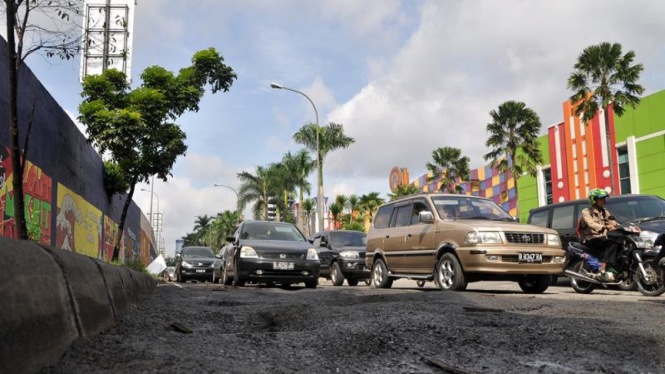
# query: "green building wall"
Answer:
x=527 y=188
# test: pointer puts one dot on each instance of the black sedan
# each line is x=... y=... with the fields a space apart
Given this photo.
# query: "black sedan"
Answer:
x=342 y=255
x=269 y=253
x=194 y=263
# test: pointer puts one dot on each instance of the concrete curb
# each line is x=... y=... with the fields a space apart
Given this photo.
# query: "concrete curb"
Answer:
x=51 y=297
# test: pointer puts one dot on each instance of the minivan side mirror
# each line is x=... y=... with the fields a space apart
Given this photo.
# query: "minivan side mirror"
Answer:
x=426 y=217
x=231 y=239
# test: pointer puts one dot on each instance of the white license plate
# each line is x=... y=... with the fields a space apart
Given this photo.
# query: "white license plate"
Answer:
x=282 y=265
x=200 y=271
x=530 y=257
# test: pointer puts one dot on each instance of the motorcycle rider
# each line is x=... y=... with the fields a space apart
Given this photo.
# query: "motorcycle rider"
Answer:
x=597 y=223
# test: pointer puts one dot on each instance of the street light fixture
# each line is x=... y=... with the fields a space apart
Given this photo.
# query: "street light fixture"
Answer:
x=320 y=202
x=237 y=198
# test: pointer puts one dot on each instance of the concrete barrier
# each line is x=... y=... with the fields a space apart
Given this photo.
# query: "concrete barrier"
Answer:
x=51 y=297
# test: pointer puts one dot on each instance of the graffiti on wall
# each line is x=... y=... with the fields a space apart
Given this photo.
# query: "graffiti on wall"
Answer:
x=37 y=188
x=78 y=224
x=147 y=242
x=110 y=233
x=131 y=247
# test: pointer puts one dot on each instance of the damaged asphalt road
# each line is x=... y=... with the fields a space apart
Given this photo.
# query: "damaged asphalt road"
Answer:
x=365 y=330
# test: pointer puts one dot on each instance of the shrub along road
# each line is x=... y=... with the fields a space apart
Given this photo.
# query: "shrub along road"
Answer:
x=492 y=328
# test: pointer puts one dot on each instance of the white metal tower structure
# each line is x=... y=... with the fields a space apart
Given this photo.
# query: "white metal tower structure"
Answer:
x=107 y=37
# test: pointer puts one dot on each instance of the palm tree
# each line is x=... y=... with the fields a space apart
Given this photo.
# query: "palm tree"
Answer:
x=331 y=137
x=514 y=136
x=354 y=205
x=336 y=209
x=281 y=185
x=451 y=165
x=255 y=188
x=342 y=200
x=604 y=76
x=309 y=209
x=370 y=203
x=403 y=191
x=202 y=222
x=300 y=165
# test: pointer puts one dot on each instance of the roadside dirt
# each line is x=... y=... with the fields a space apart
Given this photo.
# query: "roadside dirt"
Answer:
x=365 y=330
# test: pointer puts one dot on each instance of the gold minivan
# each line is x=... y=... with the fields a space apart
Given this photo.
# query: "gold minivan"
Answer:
x=456 y=239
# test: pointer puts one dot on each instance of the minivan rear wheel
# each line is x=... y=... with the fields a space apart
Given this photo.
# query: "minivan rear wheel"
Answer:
x=534 y=284
x=380 y=275
x=336 y=275
x=449 y=273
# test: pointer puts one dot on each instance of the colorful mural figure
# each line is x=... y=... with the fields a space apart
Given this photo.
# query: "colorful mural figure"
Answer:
x=485 y=182
x=131 y=248
x=110 y=233
x=37 y=187
x=78 y=224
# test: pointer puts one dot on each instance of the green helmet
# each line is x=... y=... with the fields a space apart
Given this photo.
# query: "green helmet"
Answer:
x=597 y=193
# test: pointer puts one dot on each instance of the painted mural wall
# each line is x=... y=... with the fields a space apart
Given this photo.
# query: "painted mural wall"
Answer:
x=66 y=203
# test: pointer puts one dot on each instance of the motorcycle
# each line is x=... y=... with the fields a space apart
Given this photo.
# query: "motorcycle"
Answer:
x=637 y=261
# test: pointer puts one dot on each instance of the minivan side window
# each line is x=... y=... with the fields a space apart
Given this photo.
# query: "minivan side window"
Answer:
x=540 y=218
x=563 y=217
x=382 y=219
x=403 y=216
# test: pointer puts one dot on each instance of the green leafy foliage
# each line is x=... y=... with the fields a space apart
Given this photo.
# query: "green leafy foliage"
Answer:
x=355 y=226
x=115 y=181
x=449 y=163
x=403 y=191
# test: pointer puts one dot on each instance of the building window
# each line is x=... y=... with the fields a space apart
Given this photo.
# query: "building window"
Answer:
x=547 y=176
x=624 y=170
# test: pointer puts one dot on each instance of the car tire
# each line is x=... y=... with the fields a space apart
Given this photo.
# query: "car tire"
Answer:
x=380 y=276
x=420 y=283
x=368 y=281
x=628 y=285
x=533 y=284
x=226 y=280
x=578 y=285
x=214 y=279
x=181 y=279
x=450 y=274
x=237 y=280
x=352 y=282
x=311 y=284
x=336 y=275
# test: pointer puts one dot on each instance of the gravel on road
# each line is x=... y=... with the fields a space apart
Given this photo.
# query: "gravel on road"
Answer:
x=206 y=328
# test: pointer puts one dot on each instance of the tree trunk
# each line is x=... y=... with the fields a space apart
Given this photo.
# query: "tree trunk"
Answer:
x=265 y=204
x=17 y=183
x=610 y=155
x=123 y=217
x=301 y=212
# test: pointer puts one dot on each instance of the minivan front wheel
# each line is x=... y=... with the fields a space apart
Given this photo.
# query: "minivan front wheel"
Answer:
x=380 y=275
x=449 y=273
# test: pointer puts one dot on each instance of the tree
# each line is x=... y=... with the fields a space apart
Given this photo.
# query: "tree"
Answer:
x=60 y=36
x=354 y=205
x=300 y=166
x=604 y=76
x=451 y=165
x=514 y=136
x=136 y=126
x=342 y=200
x=403 y=191
x=371 y=203
x=309 y=209
x=331 y=137
x=336 y=210
x=255 y=188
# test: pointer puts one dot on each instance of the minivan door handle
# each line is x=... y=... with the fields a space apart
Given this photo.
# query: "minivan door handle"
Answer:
x=409 y=235
x=387 y=236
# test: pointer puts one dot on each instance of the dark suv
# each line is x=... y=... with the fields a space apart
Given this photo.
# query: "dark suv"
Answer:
x=342 y=255
x=194 y=263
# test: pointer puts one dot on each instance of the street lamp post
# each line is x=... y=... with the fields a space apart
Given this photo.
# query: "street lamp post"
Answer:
x=152 y=219
x=237 y=198
x=320 y=202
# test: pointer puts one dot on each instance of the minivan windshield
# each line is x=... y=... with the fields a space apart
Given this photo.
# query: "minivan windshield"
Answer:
x=197 y=252
x=271 y=231
x=636 y=208
x=348 y=239
x=455 y=208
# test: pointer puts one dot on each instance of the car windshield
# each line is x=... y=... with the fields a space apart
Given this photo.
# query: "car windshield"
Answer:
x=348 y=239
x=271 y=231
x=636 y=208
x=197 y=252
x=454 y=208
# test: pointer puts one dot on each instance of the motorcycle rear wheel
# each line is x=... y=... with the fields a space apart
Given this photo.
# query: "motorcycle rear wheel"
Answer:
x=653 y=284
x=579 y=286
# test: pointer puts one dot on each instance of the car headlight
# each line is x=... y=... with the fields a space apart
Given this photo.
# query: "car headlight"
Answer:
x=485 y=237
x=553 y=240
x=349 y=254
x=248 y=252
x=558 y=259
x=312 y=254
x=649 y=237
x=186 y=265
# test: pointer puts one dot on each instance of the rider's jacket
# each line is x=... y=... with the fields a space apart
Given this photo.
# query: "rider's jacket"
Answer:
x=595 y=220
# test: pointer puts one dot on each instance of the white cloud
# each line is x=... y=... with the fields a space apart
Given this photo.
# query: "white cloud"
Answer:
x=468 y=57
x=275 y=144
x=321 y=95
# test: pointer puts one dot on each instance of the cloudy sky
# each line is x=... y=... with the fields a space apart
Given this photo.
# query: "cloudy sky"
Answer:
x=403 y=77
